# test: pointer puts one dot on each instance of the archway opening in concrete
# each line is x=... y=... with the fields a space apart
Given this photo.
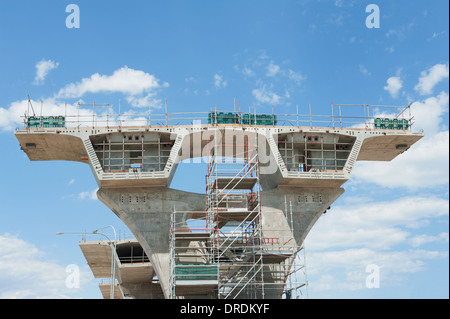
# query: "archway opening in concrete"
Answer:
x=190 y=175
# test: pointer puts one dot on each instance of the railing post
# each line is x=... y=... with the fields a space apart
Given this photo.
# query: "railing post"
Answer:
x=310 y=115
x=166 y=113
x=332 y=114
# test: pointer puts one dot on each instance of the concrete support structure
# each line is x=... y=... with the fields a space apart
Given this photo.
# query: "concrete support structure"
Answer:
x=134 y=272
x=134 y=167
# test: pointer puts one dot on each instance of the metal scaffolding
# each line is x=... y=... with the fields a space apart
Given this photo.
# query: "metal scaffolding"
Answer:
x=234 y=214
x=222 y=252
x=310 y=152
x=143 y=152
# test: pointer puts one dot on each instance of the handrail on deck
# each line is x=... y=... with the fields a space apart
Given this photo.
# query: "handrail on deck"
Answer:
x=365 y=117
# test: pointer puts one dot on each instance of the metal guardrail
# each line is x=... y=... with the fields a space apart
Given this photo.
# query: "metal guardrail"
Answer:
x=101 y=115
x=133 y=259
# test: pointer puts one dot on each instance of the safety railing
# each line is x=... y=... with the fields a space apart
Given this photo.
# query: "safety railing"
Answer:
x=133 y=259
x=362 y=116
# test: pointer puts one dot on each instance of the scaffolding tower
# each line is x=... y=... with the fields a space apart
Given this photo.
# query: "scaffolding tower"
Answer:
x=234 y=215
x=221 y=252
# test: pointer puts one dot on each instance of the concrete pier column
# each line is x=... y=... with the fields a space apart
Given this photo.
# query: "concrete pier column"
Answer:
x=308 y=204
x=284 y=231
x=147 y=213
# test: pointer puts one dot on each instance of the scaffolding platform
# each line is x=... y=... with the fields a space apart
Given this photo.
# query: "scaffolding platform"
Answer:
x=231 y=215
x=234 y=183
x=193 y=283
x=196 y=288
x=276 y=256
x=188 y=235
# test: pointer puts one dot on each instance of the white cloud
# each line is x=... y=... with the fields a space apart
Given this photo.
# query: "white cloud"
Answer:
x=219 y=81
x=42 y=69
x=394 y=85
x=425 y=164
x=365 y=231
x=435 y=35
x=12 y=117
x=248 y=72
x=295 y=76
x=390 y=49
x=92 y=195
x=139 y=86
x=272 y=69
x=276 y=79
x=123 y=80
x=429 y=78
x=401 y=32
x=341 y=272
x=374 y=225
x=148 y=100
x=428 y=113
x=363 y=70
x=420 y=240
x=265 y=95
x=24 y=273
x=392 y=32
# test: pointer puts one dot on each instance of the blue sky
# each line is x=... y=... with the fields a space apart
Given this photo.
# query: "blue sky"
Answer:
x=200 y=54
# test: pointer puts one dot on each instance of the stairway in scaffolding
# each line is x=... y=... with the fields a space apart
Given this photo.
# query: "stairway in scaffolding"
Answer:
x=193 y=275
x=234 y=218
x=221 y=252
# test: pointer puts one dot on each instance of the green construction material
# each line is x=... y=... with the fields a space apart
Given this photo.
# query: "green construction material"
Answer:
x=259 y=119
x=196 y=272
x=246 y=118
x=34 y=122
x=391 y=124
x=378 y=123
x=46 y=121
x=403 y=124
x=223 y=118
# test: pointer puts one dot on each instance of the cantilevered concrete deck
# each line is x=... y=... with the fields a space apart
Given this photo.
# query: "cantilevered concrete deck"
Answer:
x=134 y=274
x=49 y=144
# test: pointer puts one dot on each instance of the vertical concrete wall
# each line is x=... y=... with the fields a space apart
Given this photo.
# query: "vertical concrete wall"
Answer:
x=146 y=290
x=307 y=205
x=147 y=213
